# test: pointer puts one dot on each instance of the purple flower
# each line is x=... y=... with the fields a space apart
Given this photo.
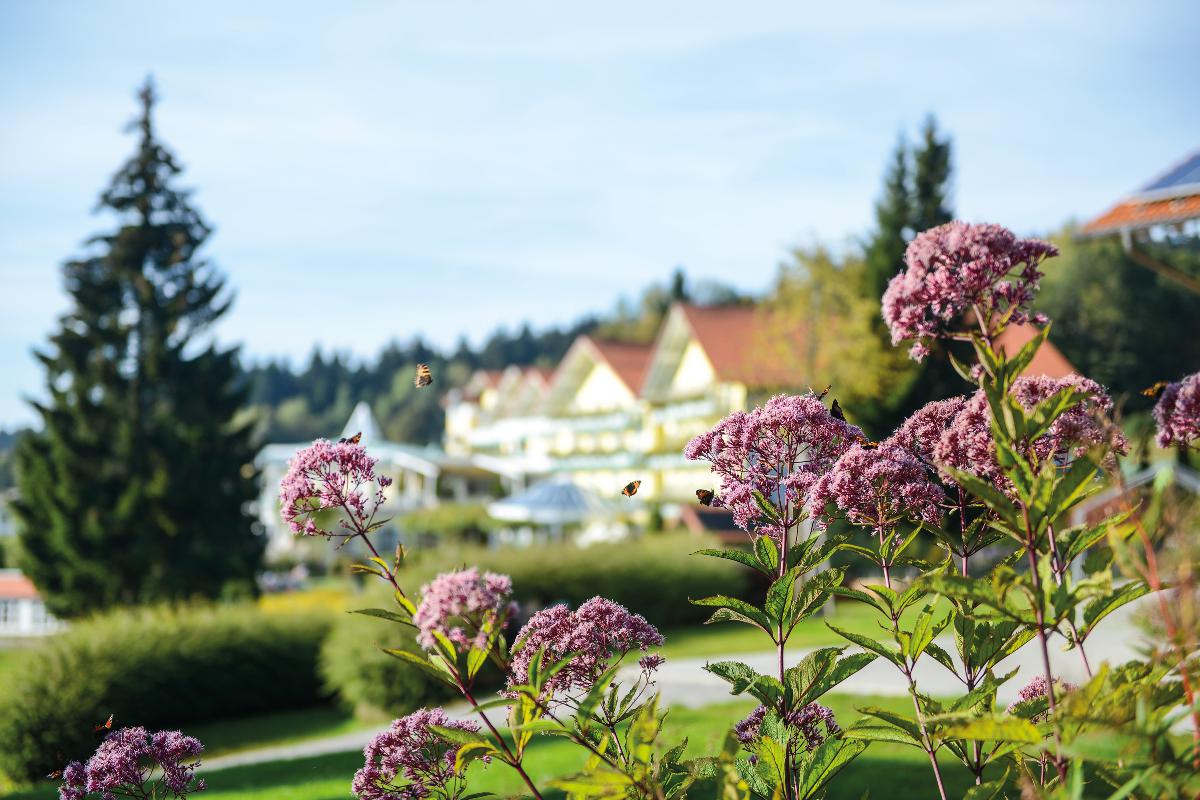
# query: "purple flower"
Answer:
x=408 y=760
x=465 y=607
x=1035 y=690
x=878 y=487
x=74 y=785
x=814 y=723
x=596 y=633
x=328 y=475
x=920 y=433
x=746 y=730
x=124 y=764
x=1177 y=413
x=650 y=663
x=956 y=268
x=779 y=449
x=967 y=444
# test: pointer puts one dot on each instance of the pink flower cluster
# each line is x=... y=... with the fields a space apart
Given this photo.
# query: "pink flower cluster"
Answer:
x=125 y=762
x=331 y=475
x=408 y=760
x=595 y=633
x=465 y=607
x=780 y=449
x=920 y=433
x=960 y=267
x=878 y=487
x=814 y=722
x=967 y=443
x=1037 y=689
x=1177 y=413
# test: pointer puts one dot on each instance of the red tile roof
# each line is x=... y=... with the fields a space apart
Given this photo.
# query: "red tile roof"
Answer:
x=1135 y=214
x=15 y=586
x=1049 y=360
x=738 y=342
x=629 y=361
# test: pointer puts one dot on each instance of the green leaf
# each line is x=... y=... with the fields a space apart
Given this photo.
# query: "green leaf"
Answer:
x=875 y=646
x=743 y=679
x=780 y=596
x=740 y=556
x=812 y=595
x=436 y=670
x=994 y=727
x=764 y=505
x=830 y=758
x=383 y=613
x=988 y=791
x=767 y=553
x=459 y=736
x=738 y=611
x=1101 y=607
x=471 y=752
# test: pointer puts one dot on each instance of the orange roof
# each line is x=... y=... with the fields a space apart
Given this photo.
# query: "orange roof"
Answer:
x=737 y=340
x=1048 y=361
x=15 y=586
x=1135 y=214
x=629 y=361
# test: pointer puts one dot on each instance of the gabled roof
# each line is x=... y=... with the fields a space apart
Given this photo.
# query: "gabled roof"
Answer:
x=629 y=361
x=738 y=343
x=1173 y=197
x=1048 y=361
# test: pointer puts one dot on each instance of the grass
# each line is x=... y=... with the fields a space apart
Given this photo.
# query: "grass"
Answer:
x=266 y=730
x=891 y=771
x=731 y=638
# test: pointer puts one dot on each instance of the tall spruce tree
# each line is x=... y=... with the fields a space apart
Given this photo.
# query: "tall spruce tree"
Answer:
x=916 y=196
x=137 y=486
x=893 y=215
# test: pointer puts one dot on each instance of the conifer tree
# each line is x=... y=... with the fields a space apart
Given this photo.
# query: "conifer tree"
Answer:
x=137 y=486
x=893 y=215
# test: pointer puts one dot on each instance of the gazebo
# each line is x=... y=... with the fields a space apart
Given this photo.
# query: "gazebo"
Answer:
x=553 y=504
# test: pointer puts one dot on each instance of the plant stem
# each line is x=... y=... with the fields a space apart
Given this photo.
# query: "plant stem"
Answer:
x=1040 y=618
x=926 y=741
x=514 y=760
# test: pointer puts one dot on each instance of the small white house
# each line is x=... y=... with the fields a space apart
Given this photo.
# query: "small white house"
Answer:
x=22 y=612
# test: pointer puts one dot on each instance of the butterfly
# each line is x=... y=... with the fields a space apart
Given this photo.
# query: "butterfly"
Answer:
x=824 y=392
x=355 y=439
x=58 y=773
x=631 y=488
x=836 y=411
x=1155 y=390
x=104 y=727
x=867 y=444
x=423 y=377
x=705 y=496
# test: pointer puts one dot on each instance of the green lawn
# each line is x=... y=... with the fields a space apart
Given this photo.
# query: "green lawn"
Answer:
x=284 y=727
x=889 y=771
x=727 y=638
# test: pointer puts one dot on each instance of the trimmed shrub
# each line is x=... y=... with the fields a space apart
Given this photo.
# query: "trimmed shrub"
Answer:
x=652 y=575
x=159 y=667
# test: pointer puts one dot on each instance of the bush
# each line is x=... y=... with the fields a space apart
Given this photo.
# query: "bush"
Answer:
x=373 y=683
x=158 y=667
x=648 y=576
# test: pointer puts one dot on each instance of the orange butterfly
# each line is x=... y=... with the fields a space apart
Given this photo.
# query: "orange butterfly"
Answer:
x=631 y=488
x=355 y=439
x=705 y=496
x=1155 y=390
x=423 y=377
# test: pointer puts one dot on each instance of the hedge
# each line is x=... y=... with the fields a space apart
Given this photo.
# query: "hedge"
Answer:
x=159 y=667
x=653 y=575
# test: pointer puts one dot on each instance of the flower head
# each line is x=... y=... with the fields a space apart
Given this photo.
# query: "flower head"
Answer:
x=920 y=433
x=878 y=487
x=331 y=475
x=125 y=763
x=814 y=723
x=408 y=760
x=1177 y=413
x=967 y=443
x=780 y=450
x=596 y=633
x=465 y=607
x=960 y=267
x=1036 y=689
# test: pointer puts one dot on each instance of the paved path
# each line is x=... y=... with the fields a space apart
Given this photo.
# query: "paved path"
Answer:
x=683 y=682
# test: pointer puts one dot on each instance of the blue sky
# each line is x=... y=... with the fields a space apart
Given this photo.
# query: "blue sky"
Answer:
x=379 y=170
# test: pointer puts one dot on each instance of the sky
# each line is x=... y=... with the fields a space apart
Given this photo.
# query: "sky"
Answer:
x=376 y=171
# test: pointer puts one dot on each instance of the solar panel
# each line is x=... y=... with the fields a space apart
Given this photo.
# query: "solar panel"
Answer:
x=1182 y=174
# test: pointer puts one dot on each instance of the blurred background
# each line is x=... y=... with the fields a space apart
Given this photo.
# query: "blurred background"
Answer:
x=227 y=230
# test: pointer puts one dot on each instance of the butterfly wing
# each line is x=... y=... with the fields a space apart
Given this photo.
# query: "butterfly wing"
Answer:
x=631 y=488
